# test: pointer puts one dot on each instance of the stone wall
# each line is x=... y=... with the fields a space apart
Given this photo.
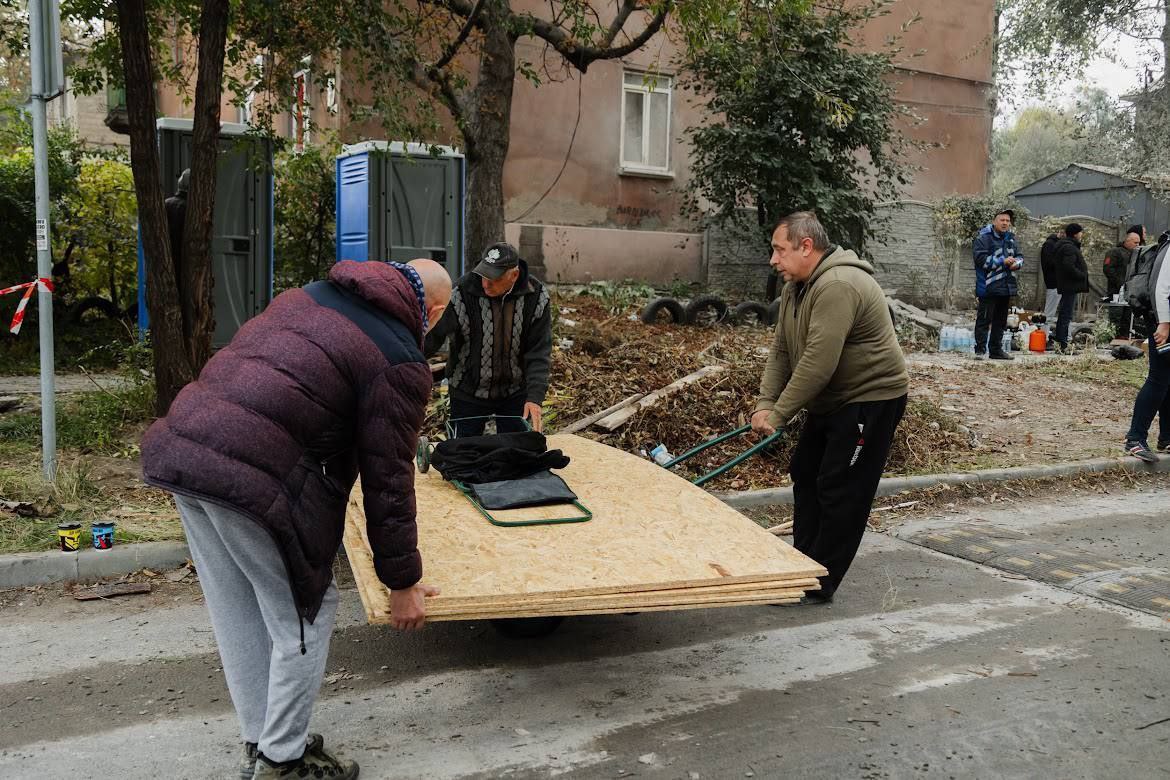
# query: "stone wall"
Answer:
x=912 y=262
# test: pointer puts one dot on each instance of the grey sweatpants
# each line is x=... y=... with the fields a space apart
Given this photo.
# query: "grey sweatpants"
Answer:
x=247 y=590
x=1051 y=305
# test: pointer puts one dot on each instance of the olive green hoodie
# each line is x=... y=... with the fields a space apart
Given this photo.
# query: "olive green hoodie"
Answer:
x=835 y=343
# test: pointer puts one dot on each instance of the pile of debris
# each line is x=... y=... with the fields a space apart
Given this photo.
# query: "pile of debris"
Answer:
x=615 y=359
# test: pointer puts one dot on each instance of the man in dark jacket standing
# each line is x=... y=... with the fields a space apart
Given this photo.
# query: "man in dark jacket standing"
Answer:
x=261 y=453
x=1051 y=294
x=176 y=207
x=1072 y=279
x=1116 y=265
x=835 y=354
x=997 y=258
x=500 y=324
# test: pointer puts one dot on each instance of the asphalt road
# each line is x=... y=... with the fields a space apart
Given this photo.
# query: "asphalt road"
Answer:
x=928 y=664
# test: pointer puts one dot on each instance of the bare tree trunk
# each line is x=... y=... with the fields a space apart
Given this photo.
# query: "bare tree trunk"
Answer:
x=198 y=304
x=488 y=130
x=172 y=367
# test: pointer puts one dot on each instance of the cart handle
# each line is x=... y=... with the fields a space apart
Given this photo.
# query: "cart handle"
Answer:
x=761 y=445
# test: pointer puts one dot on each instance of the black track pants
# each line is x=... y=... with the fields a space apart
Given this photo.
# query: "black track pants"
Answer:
x=835 y=470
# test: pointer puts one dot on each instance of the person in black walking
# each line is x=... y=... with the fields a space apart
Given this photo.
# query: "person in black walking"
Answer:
x=1072 y=279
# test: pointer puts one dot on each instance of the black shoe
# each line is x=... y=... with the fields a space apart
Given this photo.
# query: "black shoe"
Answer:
x=1163 y=445
x=980 y=355
x=1001 y=356
x=1141 y=451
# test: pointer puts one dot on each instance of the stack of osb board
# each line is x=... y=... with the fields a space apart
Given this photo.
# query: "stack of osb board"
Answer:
x=656 y=542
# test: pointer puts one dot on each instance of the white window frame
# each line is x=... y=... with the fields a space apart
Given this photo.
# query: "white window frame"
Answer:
x=658 y=83
x=248 y=109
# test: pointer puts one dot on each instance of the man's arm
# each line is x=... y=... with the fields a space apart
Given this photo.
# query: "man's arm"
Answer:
x=777 y=371
x=390 y=414
x=538 y=351
x=832 y=318
x=1162 y=293
x=981 y=250
x=439 y=331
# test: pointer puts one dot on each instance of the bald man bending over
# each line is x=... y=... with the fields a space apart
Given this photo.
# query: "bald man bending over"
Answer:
x=261 y=452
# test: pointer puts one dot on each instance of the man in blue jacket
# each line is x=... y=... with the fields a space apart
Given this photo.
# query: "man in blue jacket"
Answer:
x=997 y=258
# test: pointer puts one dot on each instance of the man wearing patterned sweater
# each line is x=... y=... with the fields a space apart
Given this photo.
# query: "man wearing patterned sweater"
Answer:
x=500 y=325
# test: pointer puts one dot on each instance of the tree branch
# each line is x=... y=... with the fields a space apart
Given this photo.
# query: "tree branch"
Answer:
x=453 y=47
x=582 y=56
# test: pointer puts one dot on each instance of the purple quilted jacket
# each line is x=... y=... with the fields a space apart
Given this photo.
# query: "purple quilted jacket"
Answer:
x=327 y=383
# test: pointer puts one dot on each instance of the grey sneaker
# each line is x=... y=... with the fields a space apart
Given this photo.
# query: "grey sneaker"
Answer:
x=248 y=762
x=314 y=746
x=981 y=356
x=1141 y=451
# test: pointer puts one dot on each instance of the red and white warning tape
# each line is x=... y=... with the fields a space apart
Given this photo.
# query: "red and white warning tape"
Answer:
x=29 y=288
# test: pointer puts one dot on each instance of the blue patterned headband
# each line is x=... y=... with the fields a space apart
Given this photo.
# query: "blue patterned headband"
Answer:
x=419 y=291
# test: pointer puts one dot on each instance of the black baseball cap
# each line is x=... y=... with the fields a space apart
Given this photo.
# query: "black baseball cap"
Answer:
x=497 y=260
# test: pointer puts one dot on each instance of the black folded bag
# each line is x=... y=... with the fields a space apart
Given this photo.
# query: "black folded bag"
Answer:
x=538 y=489
x=494 y=458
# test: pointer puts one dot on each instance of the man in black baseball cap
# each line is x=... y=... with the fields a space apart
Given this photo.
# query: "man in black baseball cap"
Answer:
x=500 y=325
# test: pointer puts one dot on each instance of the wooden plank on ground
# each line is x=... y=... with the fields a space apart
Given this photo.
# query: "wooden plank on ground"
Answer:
x=110 y=591
x=585 y=422
x=619 y=418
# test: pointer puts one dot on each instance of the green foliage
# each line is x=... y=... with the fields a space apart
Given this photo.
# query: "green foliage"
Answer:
x=958 y=218
x=97 y=232
x=97 y=421
x=803 y=118
x=17 y=190
x=617 y=297
x=304 y=216
x=1043 y=140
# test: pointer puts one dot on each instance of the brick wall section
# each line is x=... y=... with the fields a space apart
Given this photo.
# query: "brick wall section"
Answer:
x=911 y=261
x=737 y=260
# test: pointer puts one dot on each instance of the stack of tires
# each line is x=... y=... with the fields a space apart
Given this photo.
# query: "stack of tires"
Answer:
x=709 y=310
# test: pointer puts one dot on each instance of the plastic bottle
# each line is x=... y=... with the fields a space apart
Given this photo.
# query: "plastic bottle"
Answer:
x=1007 y=342
x=944 y=338
x=660 y=455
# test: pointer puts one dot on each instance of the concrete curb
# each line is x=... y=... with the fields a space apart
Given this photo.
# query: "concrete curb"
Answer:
x=23 y=569
x=892 y=485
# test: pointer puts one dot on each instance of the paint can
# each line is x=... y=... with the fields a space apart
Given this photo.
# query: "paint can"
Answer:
x=103 y=535
x=69 y=534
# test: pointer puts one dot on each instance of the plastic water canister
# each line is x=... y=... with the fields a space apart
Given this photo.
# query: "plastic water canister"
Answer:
x=1007 y=342
x=944 y=338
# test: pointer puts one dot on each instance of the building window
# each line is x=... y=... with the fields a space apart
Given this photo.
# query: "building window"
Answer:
x=645 y=144
x=248 y=109
x=301 y=108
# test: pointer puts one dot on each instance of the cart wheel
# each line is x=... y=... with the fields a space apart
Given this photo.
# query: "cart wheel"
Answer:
x=527 y=628
x=422 y=455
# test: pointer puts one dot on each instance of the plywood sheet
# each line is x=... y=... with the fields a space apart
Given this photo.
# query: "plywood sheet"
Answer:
x=620 y=611
x=652 y=532
x=620 y=600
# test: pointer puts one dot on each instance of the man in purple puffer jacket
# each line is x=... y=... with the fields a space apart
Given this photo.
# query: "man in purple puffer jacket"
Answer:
x=261 y=453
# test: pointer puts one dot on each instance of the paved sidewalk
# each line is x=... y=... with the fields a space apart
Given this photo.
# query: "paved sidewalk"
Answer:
x=926 y=665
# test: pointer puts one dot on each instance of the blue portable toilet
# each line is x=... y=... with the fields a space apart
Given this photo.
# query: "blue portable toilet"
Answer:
x=398 y=201
x=241 y=238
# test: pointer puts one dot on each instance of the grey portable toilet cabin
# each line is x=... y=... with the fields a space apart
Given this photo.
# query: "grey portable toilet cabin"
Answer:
x=241 y=239
x=397 y=201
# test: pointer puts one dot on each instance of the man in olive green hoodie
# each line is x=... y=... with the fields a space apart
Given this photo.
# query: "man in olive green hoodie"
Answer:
x=835 y=355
